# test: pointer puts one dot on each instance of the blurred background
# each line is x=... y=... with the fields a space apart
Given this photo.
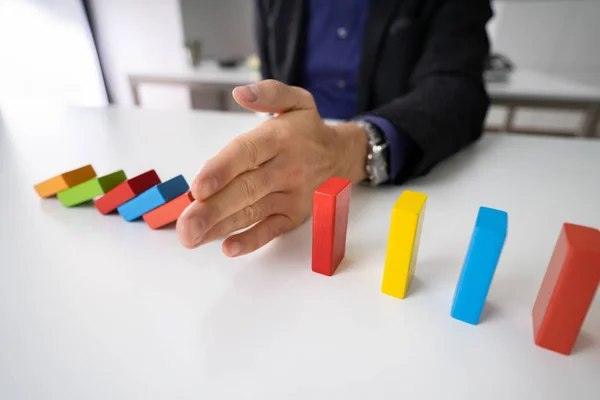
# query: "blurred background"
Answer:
x=543 y=74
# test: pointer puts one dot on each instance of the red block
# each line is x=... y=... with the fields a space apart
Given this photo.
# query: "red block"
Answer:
x=126 y=191
x=330 y=221
x=568 y=288
x=168 y=212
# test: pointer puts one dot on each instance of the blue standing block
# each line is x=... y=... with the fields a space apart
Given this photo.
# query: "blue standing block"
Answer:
x=480 y=265
x=154 y=197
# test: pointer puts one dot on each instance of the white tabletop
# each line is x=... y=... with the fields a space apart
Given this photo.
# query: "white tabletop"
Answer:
x=208 y=72
x=92 y=307
x=540 y=86
x=526 y=84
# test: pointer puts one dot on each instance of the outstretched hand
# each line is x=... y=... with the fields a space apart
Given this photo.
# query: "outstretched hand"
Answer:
x=264 y=179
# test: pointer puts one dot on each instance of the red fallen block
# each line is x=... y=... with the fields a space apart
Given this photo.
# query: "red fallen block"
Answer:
x=568 y=288
x=168 y=212
x=330 y=221
x=126 y=191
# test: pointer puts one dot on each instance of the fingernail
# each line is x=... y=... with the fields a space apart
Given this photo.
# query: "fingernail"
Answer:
x=207 y=188
x=248 y=93
x=235 y=248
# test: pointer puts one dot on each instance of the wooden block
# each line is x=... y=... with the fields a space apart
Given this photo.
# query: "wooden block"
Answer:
x=403 y=243
x=126 y=191
x=88 y=190
x=568 y=288
x=168 y=212
x=64 y=181
x=153 y=198
x=330 y=221
x=480 y=264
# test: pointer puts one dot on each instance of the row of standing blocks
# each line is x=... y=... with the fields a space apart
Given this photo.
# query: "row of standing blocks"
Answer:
x=564 y=298
x=158 y=203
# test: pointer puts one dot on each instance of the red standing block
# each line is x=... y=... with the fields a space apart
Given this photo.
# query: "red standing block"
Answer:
x=568 y=288
x=168 y=212
x=126 y=191
x=330 y=221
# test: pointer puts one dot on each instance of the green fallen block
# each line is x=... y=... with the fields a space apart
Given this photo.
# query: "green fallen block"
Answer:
x=88 y=190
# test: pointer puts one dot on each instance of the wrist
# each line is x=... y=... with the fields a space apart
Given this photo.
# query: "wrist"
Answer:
x=351 y=152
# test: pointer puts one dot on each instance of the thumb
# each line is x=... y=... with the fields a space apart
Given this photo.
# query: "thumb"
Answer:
x=274 y=97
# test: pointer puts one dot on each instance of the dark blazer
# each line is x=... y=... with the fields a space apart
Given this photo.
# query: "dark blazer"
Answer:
x=422 y=68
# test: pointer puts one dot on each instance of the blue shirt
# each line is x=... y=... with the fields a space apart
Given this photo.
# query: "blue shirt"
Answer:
x=333 y=55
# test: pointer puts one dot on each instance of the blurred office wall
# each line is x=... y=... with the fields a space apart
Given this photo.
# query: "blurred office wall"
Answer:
x=140 y=35
x=557 y=37
x=224 y=27
x=47 y=55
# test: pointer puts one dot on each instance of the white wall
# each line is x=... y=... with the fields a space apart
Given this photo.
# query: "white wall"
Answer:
x=47 y=56
x=137 y=35
x=558 y=37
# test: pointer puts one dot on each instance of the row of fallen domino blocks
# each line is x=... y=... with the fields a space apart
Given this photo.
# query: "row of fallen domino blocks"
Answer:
x=563 y=300
x=158 y=203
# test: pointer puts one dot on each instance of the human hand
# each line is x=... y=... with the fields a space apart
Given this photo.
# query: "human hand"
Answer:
x=265 y=178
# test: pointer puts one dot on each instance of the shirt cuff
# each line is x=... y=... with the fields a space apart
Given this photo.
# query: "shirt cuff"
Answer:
x=396 y=142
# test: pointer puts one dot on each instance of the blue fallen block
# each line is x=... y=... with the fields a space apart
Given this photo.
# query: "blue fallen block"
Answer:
x=152 y=198
x=480 y=263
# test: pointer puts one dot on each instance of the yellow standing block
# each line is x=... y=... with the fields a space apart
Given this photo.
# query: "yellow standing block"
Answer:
x=403 y=243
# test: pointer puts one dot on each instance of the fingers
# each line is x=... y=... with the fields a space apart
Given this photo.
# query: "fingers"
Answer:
x=272 y=96
x=257 y=236
x=242 y=154
x=245 y=190
x=273 y=203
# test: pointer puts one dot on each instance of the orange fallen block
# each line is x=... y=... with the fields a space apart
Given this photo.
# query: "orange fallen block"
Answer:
x=169 y=212
x=64 y=181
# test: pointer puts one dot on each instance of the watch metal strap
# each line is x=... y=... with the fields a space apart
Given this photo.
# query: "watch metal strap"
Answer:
x=376 y=163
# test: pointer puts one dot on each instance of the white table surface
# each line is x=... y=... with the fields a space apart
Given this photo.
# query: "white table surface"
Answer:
x=208 y=72
x=522 y=83
x=92 y=307
x=540 y=86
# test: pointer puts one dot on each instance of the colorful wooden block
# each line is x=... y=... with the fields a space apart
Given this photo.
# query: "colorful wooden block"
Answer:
x=126 y=191
x=153 y=198
x=88 y=190
x=168 y=212
x=64 y=181
x=480 y=264
x=403 y=243
x=330 y=221
x=568 y=288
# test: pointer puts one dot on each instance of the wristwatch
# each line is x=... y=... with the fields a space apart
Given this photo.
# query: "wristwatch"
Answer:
x=377 y=154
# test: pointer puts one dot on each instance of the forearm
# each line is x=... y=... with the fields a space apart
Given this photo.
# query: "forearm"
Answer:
x=440 y=117
x=352 y=155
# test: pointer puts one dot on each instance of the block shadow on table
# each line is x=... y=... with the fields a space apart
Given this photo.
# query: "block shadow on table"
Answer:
x=585 y=342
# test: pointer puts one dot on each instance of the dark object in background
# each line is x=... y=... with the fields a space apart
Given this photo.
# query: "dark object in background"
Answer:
x=497 y=68
x=230 y=62
x=194 y=51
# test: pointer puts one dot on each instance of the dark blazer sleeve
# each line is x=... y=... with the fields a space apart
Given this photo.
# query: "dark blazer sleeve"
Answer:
x=260 y=31
x=446 y=105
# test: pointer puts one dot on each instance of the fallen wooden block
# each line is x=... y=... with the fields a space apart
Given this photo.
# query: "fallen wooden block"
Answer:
x=126 y=191
x=153 y=198
x=568 y=288
x=168 y=212
x=403 y=243
x=480 y=264
x=330 y=221
x=90 y=189
x=64 y=181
